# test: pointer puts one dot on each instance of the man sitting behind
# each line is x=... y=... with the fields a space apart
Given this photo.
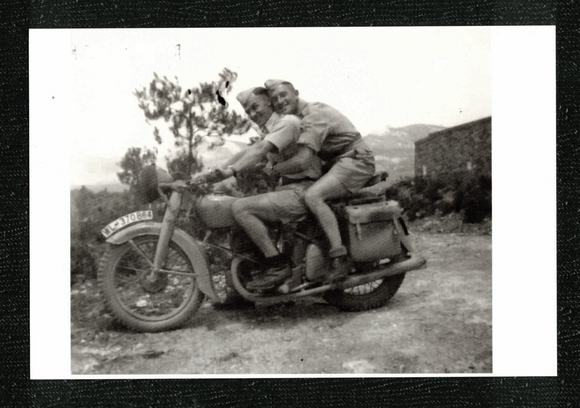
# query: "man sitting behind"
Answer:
x=284 y=205
x=328 y=134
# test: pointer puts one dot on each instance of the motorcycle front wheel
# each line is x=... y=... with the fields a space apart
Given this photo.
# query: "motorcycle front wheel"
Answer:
x=148 y=302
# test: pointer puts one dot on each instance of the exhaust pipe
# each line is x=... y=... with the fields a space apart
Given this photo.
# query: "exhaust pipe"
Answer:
x=413 y=263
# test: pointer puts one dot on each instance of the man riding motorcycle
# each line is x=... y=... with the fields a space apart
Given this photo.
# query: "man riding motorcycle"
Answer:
x=328 y=134
x=286 y=204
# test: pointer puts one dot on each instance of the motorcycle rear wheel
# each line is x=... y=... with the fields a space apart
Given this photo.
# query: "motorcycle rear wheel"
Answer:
x=146 y=305
x=368 y=296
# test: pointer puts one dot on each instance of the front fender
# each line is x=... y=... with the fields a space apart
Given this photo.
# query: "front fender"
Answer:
x=192 y=248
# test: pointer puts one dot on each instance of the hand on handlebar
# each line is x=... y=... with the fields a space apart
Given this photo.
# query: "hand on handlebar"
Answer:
x=179 y=186
x=222 y=174
x=260 y=166
x=268 y=168
x=212 y=176
x=202 y=177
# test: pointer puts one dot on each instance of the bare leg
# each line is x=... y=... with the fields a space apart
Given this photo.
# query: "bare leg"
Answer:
x=250 y=212
x=245 y=211
x=326 y=188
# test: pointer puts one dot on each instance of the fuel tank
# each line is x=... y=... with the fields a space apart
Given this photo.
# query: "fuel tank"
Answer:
x=215 y=210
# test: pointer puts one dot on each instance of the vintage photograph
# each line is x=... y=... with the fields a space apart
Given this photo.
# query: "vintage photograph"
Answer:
x=312 y=201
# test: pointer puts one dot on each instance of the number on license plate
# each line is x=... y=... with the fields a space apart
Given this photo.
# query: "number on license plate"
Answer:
x=126 y=220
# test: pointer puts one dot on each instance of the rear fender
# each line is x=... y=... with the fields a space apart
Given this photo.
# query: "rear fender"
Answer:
x=192 y=248
x=404 y=236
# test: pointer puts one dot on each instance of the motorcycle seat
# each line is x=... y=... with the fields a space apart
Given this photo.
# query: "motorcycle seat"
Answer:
x=377 y=178
x=375 y=187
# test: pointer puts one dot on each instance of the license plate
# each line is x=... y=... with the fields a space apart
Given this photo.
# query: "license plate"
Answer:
x=126 y=220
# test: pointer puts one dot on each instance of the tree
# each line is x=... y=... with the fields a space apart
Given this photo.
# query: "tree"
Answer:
x=193 y=114
x=132 y=164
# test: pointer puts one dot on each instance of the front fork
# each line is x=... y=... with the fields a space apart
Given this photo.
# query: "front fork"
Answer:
x=167 y=229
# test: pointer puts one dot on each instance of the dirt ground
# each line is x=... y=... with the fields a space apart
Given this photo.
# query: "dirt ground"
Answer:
x=438 y=322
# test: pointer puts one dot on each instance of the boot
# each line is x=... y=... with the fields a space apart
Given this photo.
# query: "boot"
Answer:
x=278 y=271
x=340 y=265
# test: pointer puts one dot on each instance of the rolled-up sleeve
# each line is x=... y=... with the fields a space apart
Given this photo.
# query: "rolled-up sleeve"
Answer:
x=284 y=132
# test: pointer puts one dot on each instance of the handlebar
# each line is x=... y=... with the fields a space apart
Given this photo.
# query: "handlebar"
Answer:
x=198 y=183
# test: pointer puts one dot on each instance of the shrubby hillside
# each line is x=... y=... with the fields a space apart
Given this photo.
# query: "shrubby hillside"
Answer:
x=90 y=212
x=463 y=193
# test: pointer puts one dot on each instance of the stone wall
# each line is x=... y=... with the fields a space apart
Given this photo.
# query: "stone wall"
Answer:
x=466 y=147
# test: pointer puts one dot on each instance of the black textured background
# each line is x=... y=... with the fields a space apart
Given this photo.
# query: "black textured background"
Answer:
x=16 y=390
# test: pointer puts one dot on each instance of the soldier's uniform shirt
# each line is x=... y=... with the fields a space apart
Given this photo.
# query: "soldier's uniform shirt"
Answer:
x=283 y=131
x=287 y=202
x=333 y=137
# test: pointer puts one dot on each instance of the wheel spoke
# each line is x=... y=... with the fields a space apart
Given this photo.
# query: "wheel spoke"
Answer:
x=364 y=289
x=176 y=272
x=177 y=267
x=127 y=280
x=141 y=252
x=133 y=269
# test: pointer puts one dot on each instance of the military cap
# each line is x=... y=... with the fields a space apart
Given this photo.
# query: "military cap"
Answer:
x=272 y=84
x=243 y=96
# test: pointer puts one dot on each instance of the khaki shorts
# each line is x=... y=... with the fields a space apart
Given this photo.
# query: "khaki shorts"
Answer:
x=288 y=201
x=354 y=172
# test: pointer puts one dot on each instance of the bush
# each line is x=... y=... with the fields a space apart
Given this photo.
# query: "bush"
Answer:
x=477 y=200
x=90 y=212
x=467 y=193
x=82 y=262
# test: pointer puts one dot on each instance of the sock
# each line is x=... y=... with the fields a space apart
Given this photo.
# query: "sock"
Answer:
x=335 y=253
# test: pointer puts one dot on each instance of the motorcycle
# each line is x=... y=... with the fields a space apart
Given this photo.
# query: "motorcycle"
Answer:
x=155 y=276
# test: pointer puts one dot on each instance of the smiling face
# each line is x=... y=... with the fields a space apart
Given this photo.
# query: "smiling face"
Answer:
x=285 y=99
x=258 y=109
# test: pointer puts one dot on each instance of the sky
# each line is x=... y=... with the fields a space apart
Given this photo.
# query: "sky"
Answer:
x=377 y=77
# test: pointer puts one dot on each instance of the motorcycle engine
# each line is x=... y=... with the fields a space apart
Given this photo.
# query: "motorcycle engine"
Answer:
x=316 y=262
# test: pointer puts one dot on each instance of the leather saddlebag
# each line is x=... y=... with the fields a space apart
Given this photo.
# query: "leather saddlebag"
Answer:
x=370 y=230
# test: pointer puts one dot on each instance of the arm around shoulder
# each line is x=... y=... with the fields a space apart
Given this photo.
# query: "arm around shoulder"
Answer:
x=253 y=155
x=297 y=163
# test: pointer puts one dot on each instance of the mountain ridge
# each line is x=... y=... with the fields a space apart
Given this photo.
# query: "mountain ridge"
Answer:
x=394 y=148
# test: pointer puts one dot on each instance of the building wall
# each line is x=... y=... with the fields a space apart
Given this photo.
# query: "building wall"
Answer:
x=460 y=148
